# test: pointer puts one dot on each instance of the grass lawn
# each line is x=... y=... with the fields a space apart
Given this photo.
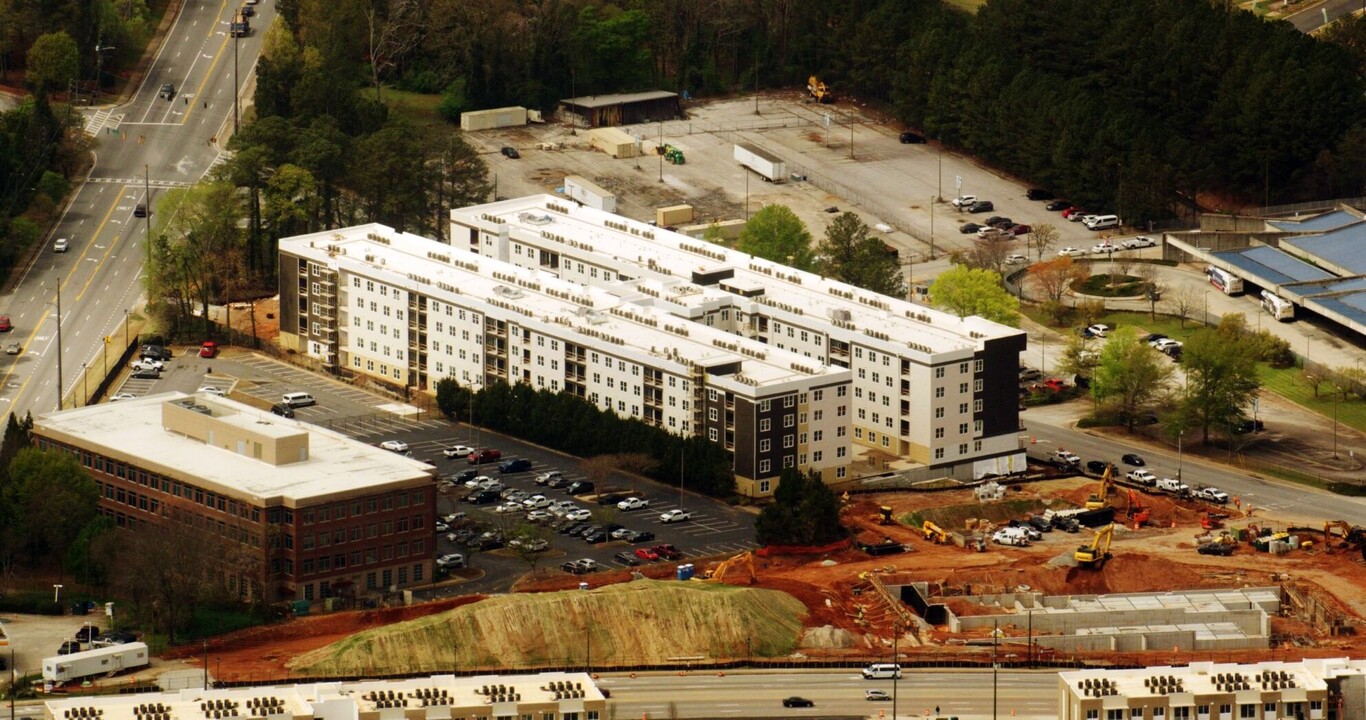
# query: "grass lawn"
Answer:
x=1165 y=324
x=1285 y=382
x=418 y=108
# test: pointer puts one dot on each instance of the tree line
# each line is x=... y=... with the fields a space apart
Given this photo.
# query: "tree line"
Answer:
x=1138 y=108
x=566 y=422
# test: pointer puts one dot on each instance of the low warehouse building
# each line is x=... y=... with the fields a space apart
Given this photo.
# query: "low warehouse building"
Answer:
x=621 y=109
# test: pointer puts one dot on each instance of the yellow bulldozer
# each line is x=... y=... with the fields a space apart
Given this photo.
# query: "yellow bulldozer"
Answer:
x=1095 y=553
x=934 y=533
x=819 y=91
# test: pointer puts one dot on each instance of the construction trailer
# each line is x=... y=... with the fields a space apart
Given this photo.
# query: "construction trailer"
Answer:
x=100 y=661
x=493 y=118
x=580 y=190
x=769 y=166
x=674 y=216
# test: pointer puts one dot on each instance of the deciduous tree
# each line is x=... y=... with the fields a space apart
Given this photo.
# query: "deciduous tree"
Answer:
x=1054 y=277
x=973 y=291
x=53 y=62
x=849 y=254
x=776 y=233
x=1042 y=238
x=1130 y=377
x=1221 y=380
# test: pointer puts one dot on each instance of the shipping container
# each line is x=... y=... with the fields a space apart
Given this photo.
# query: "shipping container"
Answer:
x=769 y=166
x=586 y=193
x=673 y=216
x=494 y=118
x=100 y=661
x=614 y=142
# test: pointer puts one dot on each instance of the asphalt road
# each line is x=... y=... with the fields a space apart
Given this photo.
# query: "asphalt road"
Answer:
x=840 y=692
x=147 y=142
x=1047 y=433
x=1315 y=17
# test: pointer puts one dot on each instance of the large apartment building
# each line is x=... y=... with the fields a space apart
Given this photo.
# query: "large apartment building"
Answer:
x=409 y=311
x=315 y=513
x=929 y=387
x=1310 y=689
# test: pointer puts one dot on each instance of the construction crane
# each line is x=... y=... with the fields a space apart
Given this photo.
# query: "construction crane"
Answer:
x=819 y=91
x=718 y=574
x=1100 y=498
x=1095 y=553
x=1138 y=512
x=934 y=533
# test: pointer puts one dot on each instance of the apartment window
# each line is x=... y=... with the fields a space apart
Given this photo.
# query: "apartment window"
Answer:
x=765 y=466
x=938 y=372
x=764 y=405
x=788 y=441
x=938 y=433
x=939 y=453
x=977 y=446
x=962 y=448
x=817 y=395
x=962 y=387
x=977 y=405
x=1092 y=715
x=789 y=401
x=1114 y=715
x=962 y=428
x=711 y=414
x=1181 y=713
x=765 y=445
x=816 y=456
x=977 y=385
x=1159 y=713
x=841 y=391
x=841 y=472
x=841 y=452
x=962 y=407
x=789 y=420
x=711 y=434
x=939 y=392
x=764 y=486
x=939 y=412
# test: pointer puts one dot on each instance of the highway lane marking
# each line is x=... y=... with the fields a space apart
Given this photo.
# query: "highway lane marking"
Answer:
x=199 y=90
x=62 y=281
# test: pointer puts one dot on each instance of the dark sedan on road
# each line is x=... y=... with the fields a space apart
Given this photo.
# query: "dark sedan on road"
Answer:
x=795 y=701
x=1132 y=459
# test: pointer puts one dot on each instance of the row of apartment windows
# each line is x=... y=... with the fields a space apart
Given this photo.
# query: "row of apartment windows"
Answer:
x=1246 y=711
x=962 y=449
x=383 y=368
x=962 y=408
x=962 y=428
x=152 y=481
x=789 y=440
x=356 y=558
x=356 y=532
x=372 y=582
x=355 y=508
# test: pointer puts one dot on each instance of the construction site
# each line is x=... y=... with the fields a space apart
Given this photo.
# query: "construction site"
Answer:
x=1133 y=587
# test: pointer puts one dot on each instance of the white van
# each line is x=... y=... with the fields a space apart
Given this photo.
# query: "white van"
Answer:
x=297 y=399
x=1102 y=222
x=882 y=671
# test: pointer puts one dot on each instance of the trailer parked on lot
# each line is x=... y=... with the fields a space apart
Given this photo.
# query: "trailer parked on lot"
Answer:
x=769 y=166
x=100 y=661
x=582 y=191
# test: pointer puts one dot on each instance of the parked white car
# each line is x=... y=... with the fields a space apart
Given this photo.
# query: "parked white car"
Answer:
x=1143 y=477
x=536 y=502
x=1142 y=241
x=212 y=390
x=963 y=201
x=1102 y=248
x=394 y=445
x=478 y=482
x=633 y=503
x=1016 y=259
x=457 y=451
x=451 y=560
x=673 y=516
x=1010 y=536
x=1070 y=251
x=578 y=514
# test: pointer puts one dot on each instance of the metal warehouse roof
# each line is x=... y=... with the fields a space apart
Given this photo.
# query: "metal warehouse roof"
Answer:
x=1318 y=223
x=596 y=101
x=1344 y=248
x=1273 y=265
x=1351 y=305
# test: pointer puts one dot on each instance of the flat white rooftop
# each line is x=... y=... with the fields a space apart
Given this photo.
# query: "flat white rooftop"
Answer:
x=1207 y=678
x=335 y=465
x=665 y=254
x=433 y=269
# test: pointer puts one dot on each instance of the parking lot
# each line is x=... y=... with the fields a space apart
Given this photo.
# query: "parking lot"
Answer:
x=715 y=528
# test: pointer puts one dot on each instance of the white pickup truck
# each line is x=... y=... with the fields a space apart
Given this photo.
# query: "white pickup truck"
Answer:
x=1173 y=486
x=1142 y=477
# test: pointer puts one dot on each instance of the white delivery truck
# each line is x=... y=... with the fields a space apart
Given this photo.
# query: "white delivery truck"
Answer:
x=100 y=661
x=769 y=166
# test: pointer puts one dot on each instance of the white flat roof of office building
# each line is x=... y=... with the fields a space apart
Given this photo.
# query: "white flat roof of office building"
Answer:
x=600 y=316
x=133 y=428
x=1203 y=678
x=679 y=256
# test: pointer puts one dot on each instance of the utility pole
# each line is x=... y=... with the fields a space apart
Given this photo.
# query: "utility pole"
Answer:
x=147 y=198
x=236 y=89
x=756 y=79
x=660 y=151
x=994 y=632
x=896 y=669
x=59 y=357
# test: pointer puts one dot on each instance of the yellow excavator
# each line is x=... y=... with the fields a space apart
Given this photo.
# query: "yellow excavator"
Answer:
x=934 y=533
x=718 y=574
x=819 y=91
x=1094 y=554
x=1100 y=498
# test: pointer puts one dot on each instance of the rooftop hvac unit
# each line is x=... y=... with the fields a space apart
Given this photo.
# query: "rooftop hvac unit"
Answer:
x=840 y=315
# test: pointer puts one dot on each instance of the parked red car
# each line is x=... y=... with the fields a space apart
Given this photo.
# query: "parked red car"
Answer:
x=647 y=554
x=485 y=455
x=1074 y=210
x=1020 y=229
x=208 y=349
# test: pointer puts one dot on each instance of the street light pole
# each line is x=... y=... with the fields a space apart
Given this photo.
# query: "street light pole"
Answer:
x=59 y=351
x=1179 y=463
x=236 y=89
x=896 y=671
x=994 y=632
